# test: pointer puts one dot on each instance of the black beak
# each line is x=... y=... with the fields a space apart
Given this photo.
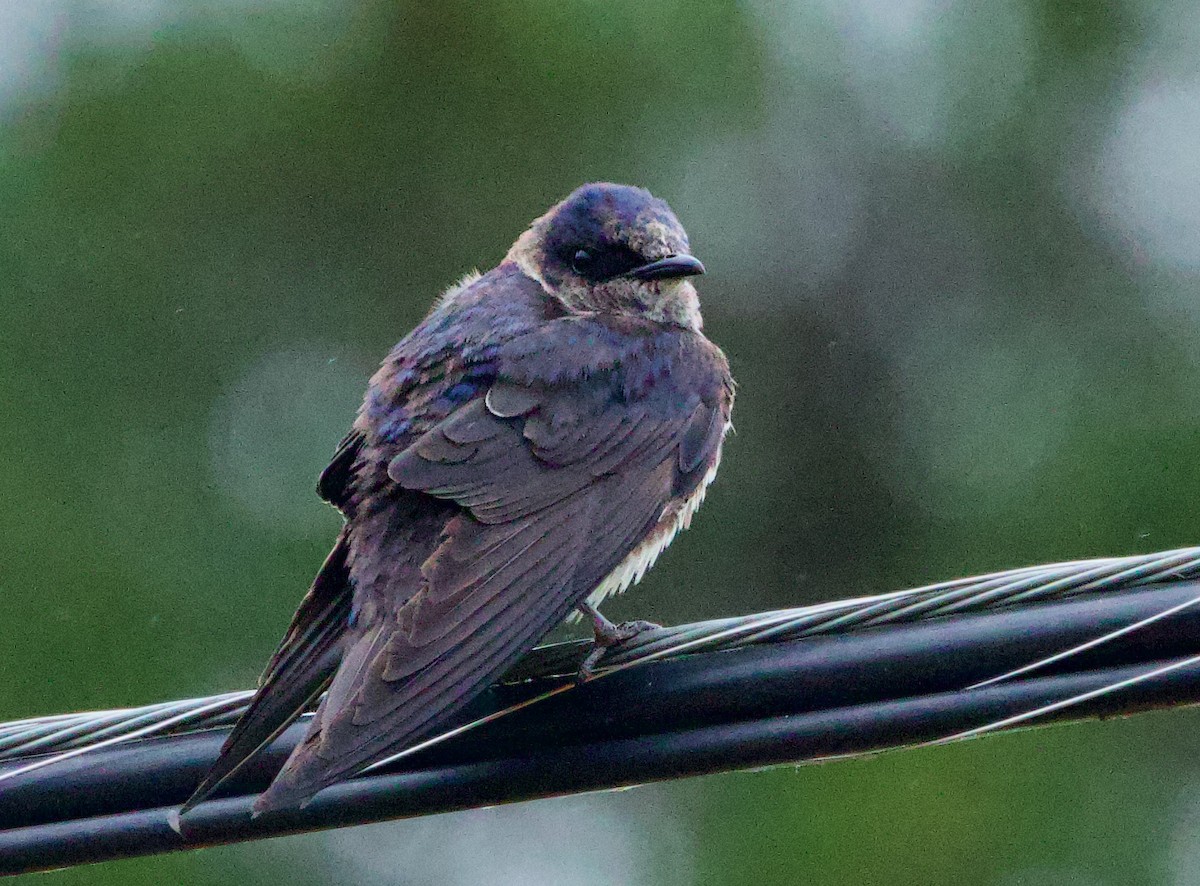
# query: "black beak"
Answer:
x=669 y=268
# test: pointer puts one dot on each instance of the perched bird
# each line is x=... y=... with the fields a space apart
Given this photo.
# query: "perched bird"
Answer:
x=530 y=448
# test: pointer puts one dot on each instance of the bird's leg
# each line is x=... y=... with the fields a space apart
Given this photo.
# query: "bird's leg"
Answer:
x=606 y=634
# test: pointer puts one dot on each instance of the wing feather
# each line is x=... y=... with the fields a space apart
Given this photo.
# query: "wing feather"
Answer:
x=295 y=676
x=335 y=483
x=555 y=484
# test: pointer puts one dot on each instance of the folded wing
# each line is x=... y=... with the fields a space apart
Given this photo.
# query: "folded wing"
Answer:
x=556 y=486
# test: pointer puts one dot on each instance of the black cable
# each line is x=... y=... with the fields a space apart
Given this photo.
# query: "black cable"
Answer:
x=866 y=690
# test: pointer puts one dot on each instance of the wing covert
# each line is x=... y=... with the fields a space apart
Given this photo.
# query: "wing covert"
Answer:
x=558 y=484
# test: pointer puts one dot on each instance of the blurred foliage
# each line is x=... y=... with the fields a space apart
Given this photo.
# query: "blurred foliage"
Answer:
x=955 y=276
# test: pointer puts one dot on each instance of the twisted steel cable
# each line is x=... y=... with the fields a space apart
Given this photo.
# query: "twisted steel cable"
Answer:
x=91 y=730
x=926 y=665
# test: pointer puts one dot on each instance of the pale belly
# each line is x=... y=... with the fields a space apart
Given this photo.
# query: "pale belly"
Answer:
x=641 y=558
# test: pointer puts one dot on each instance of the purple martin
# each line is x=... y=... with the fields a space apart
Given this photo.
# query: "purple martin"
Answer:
x=530 y=448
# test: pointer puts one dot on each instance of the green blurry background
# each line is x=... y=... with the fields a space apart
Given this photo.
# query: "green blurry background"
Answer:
x=953 y=254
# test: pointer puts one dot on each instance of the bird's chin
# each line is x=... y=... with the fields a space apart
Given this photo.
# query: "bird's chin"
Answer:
x=680 y=303
x=672 y=301
x=677 y=289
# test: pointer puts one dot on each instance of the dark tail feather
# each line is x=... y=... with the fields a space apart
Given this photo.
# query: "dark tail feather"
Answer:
x=291 y=788
x=299 y=671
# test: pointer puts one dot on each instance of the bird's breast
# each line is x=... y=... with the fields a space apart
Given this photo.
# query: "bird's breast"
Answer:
x=676 y=517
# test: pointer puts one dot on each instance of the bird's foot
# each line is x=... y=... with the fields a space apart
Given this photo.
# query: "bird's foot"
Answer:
x=606 y=634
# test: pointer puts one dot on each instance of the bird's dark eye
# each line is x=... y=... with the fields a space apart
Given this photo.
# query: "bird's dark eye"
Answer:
x=604 y=262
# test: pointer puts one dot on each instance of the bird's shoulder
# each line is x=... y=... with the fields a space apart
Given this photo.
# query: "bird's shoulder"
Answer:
x=448 y=359
x=452 y=356
x=636 y=359
x=577 y=402
x=503 y=331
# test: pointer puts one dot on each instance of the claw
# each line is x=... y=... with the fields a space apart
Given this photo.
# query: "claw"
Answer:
x=606 y=634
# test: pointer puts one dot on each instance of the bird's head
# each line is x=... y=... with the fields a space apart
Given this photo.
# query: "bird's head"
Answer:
x=613 y=249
